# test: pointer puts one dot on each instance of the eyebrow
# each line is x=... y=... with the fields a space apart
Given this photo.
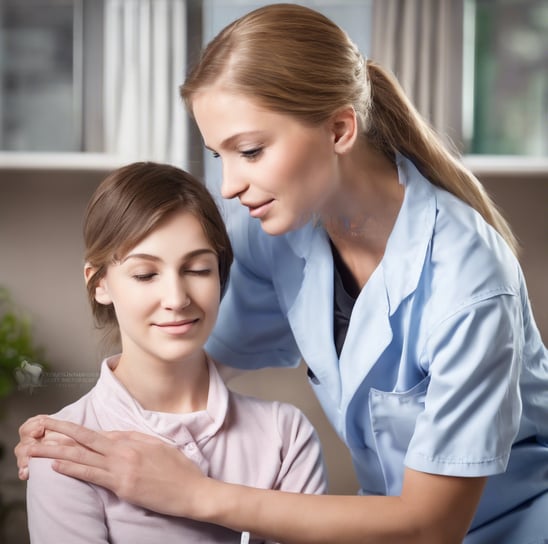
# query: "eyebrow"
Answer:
x=186 y=257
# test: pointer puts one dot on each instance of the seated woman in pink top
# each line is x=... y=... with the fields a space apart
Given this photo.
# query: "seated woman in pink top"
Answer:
x=157 y=262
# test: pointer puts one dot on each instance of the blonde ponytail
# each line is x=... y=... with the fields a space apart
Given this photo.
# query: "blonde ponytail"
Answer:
x=396 y=125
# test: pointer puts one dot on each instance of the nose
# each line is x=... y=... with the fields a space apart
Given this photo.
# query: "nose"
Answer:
x=175 y=294
x=232 y=185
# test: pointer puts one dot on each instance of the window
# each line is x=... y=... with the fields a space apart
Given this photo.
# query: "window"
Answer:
x=97 y=76
x=53 y=73
x=40 y=93
x=505 y=81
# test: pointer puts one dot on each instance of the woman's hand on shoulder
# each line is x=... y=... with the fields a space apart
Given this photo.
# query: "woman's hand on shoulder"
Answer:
x=138 y=468
x=33 y=431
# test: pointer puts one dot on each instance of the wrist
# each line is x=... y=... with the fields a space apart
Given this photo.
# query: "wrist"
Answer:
x=206 y=502
x=221 y=503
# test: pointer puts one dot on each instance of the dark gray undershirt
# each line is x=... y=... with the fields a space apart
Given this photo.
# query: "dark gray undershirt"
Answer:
x=346 y=292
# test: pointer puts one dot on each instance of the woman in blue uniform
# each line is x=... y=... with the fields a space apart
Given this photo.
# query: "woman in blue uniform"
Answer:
x=370 y=252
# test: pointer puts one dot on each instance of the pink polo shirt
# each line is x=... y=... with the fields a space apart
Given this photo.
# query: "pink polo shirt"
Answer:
x=237 y=439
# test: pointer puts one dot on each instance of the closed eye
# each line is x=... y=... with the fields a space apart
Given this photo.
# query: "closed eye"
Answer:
x=144 y=277
x=199 y=272
x=252 y=153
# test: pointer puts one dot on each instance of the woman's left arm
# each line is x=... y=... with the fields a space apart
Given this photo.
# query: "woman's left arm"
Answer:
x=152 y=474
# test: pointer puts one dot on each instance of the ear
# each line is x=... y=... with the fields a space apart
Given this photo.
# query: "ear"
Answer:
x=344 y=127
x=102 y=295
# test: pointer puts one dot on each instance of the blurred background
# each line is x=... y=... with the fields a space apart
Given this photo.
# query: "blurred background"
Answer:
x=89 y=85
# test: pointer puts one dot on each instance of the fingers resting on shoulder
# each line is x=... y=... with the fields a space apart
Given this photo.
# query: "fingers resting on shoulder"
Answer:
x=32 y=430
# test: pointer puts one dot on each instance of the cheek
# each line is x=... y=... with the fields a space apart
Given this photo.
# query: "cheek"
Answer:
x=210 y=309
x=215 y=299
x=313 y=177
x=208 y=295
x=310 y=156
x=129 y=301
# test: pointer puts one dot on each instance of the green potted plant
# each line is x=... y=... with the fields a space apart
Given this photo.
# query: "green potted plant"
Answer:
x=18 y=368
x=17 y=347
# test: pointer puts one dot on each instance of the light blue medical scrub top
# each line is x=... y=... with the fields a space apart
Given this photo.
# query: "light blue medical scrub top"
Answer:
x=443 y=369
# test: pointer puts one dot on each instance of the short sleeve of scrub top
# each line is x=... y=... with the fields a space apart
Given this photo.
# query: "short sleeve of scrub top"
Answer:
x=471 y=409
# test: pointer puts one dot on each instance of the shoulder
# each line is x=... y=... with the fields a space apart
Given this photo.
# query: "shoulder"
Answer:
x=454 y=260
x=284 y=419
x=451 y=256
x=286 y=441
x=469 y=261
x=81 y=411
x=461 y=245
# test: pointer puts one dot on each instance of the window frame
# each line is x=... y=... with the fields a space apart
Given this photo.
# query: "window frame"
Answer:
x=89 y=18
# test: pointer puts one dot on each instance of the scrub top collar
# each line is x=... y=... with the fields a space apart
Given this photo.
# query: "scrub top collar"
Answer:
x=409 y=242
x=407 y=245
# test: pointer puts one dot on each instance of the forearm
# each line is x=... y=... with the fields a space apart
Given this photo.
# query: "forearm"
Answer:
x=295 y=518
x=431 y=508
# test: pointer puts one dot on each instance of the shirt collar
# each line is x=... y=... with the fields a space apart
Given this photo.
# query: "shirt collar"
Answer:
x=118 y=410
x=409 y=241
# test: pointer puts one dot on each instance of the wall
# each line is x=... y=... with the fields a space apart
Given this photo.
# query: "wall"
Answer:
x=524 y=203
x=41 y=263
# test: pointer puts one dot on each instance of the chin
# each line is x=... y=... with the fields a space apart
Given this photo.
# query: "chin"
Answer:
x=279 y=228
x=275 y=230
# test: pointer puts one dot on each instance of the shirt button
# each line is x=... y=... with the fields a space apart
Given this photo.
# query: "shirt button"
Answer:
x=190 y=447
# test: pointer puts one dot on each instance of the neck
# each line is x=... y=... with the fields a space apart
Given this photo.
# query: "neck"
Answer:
x=165 y=386
x=361 y=217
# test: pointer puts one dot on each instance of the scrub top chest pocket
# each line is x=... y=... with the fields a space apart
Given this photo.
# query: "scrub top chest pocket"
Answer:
x=393 y=416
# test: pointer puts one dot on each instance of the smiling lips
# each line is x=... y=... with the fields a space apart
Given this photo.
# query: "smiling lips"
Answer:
x=259 y=210
x=177 y=327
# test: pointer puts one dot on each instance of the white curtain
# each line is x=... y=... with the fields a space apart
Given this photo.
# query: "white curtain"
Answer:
x=144 y=48
x=420 y=41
